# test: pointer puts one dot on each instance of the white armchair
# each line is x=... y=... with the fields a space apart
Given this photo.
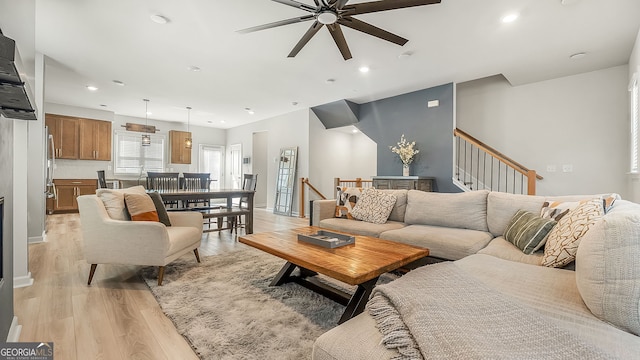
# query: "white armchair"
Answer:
x=109 y=241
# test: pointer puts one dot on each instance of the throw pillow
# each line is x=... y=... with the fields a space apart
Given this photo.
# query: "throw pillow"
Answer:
x=113 y=201
x=528 y=231
x=555 y=210
x=374 y=206
x=141 y=207
x=160 y=208
x=346 y=200
x=609 y=200
x=564 y=238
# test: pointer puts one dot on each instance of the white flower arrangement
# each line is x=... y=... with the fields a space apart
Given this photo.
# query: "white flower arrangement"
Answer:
x=405 y=150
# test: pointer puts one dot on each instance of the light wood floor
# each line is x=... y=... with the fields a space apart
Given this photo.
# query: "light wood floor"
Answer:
x=116 y=317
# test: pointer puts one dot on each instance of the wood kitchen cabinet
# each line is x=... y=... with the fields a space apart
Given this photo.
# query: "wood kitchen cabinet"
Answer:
x=65 y=135
x=67 y=191
x=421 y=183
x=95 y=140
x=179 y=154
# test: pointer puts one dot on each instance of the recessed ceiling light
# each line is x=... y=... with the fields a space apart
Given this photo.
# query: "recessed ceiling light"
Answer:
x=568 y=2
x=118 y=82
x=209 y=122
x=251 y=112
x=354 y=131
x=92 y=88
x=509 y=18
x=159 y=19
x=405 y=55
x=193 y=68
x=295 y=103
x=364 y=69
x=222 y=122
x=330 y=81
x=103 y=105
x=149 y=113
x=577 y=56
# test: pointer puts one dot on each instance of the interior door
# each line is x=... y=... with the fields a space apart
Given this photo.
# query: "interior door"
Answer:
x=236 y=166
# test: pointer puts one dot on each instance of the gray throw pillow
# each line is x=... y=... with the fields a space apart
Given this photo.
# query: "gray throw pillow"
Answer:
x=162 y=211
x=528 y=231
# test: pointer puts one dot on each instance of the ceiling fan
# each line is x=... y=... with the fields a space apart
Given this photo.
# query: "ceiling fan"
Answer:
x=334 y=13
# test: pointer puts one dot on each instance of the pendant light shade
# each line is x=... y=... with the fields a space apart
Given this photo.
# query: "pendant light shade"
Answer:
x=146 y=138
x=188 y=143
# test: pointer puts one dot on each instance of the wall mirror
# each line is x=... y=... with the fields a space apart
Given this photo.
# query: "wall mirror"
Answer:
x=286 y=180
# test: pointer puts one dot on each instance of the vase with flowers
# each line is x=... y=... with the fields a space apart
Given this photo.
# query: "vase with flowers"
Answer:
x=407 y=152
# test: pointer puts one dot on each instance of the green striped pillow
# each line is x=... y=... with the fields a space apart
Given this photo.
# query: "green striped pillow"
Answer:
x=528 y=231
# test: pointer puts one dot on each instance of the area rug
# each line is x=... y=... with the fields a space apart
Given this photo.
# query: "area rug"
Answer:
x=226 y=309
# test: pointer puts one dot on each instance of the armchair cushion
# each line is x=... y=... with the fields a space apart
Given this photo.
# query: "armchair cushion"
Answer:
x=113 y=200
x=141 y=207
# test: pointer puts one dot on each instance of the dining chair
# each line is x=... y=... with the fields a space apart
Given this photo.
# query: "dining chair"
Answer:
x=196 y=181
x=102 y=181
x=163 y=181
x=249 y=182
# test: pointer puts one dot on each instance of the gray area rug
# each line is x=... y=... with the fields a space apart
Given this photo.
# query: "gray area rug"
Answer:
x=226 y=309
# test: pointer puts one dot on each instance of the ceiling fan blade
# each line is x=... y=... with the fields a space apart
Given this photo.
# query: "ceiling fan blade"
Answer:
x=276 y=24
x=383 y=5
x=305 y=38
x=338 y=37
x=371 y=30
x=338 y=3
x=298 y=5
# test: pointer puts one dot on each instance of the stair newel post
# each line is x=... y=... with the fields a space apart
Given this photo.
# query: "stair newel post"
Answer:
x=531 y=182
x=301 y=212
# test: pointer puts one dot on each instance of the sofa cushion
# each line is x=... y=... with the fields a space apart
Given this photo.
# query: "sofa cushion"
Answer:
x=608 y=267
x=564 y=238
x=442 y=242
x=357 y=227
x=501 y=248
x=528 y=231
x=400 y=207
x=141 y=207
x=467 y=210
x=502 y=206
x=374 y=206
x=113 y=200
x=346 y=200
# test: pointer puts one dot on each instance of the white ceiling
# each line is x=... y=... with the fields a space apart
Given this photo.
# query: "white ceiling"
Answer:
x=94 y=42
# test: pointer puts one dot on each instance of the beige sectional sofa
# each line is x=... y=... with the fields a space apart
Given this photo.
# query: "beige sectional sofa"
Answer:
x=598 y=304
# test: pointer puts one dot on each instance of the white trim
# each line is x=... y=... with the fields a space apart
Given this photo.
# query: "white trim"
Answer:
x=22 y=281
x=37 y=239
x=14 y=331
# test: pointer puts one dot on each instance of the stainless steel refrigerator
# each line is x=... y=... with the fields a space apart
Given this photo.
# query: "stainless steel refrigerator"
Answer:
x=50 y=165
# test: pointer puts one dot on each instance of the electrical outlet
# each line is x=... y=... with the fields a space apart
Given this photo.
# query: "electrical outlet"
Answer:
x=551 y=168
x=567 y=168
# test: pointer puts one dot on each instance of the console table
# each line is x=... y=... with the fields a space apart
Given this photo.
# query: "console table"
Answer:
x=422 y=183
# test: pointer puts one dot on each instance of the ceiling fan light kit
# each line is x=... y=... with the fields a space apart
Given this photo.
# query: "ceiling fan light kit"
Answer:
x=334 y=13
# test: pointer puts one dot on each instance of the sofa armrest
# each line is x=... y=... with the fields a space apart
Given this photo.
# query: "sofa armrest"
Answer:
x=323 y=209
x=186 y=218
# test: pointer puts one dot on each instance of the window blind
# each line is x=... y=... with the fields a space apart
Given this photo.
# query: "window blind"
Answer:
x=133 y=158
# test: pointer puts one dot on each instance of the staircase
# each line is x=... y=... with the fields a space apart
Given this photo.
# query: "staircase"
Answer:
x=478 y=166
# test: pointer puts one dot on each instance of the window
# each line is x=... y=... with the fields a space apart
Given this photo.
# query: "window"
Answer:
x=133 y=158
x=635 y=125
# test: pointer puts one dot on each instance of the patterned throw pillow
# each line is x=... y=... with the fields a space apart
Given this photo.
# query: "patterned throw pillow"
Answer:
x=528 y=231
x=555 y=210
x=346 y=201
x=374 y=206
x=609 y=200
x=141 y=207
x=564 y=238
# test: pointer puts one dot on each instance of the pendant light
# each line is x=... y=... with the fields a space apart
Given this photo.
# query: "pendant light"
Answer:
x=146 y=138
x=188 y=143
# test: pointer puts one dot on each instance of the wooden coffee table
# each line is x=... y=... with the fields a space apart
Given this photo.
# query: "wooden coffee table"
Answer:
x=357 y=264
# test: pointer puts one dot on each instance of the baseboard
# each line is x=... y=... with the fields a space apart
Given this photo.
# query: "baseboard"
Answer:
x=14 y=331
x=37 y=239
x=22 y=281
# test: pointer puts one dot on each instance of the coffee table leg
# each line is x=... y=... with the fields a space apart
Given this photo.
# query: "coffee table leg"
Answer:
x=283 y=275
x=358 y=300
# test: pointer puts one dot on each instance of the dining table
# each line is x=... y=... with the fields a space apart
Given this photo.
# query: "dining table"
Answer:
x=183 y=196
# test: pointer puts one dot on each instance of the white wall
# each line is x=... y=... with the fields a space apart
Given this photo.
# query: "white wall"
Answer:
x=260 y=165
x=338 y=154
x=580 y=120
x=86 y=169
x=286 y=130
x=634 y=67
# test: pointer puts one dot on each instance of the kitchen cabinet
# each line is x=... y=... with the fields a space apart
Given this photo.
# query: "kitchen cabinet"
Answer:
x=421 y=183
x=179 y=154
x=65 y=135
x=95 y=140
x=66 y=193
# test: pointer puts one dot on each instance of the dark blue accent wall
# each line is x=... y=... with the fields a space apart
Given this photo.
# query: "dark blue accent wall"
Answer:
x=384 y=121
